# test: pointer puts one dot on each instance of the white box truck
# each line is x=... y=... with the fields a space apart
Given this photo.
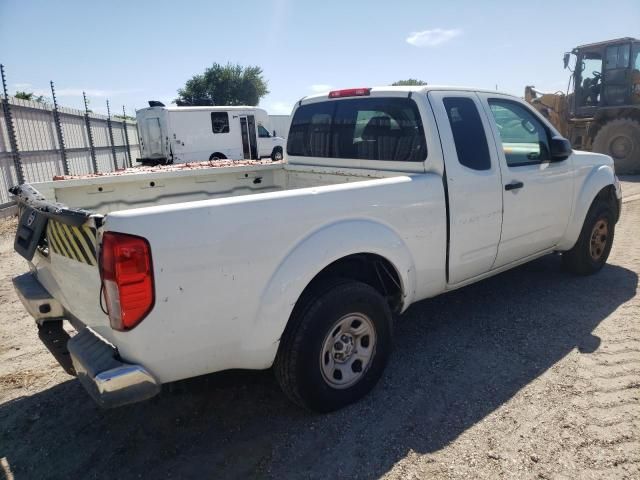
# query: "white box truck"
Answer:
x=192 y=134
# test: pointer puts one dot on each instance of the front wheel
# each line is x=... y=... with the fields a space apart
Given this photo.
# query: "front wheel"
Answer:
x=277 y=155
x=592 y=249
x=335 y=347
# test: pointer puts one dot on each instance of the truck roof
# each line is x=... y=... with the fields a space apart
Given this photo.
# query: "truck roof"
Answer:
x=216 y=108
x=607 y=42
x=414 y=88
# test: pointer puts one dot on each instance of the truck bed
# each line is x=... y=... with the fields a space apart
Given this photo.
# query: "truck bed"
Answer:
x=143 y=187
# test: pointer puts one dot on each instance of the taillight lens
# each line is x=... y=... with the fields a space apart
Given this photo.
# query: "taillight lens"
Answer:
x=350 y=92
x=127 y=279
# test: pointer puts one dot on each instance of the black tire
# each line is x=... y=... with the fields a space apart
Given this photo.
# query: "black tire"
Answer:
x=298 y=365
x=277 y=154
x=217 y=156
x=620 y=139
x=588 y=256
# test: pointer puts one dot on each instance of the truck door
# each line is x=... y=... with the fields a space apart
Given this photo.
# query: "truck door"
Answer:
x=473 y=183
x=617 y=75
x=153 y=137
x=537 y=193
x=265 y=142
x=248 y=133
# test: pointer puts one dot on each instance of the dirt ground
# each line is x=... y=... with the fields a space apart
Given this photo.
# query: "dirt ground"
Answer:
x=534 y=373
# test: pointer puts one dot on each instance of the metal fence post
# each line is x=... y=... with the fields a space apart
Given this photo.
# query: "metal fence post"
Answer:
x=87 y=122
x=56 y=117
x=8 y=118
x=113 y=146
x=126 y=135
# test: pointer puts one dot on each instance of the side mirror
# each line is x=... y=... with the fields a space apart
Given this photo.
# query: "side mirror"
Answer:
x=560 y=149
x=274 y=133
x=565 y=59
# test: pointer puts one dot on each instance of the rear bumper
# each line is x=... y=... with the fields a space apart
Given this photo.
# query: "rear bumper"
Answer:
x=110 y=381
x=35 y=298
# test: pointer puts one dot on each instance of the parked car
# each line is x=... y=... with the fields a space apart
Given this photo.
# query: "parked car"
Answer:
x=388 y=196
x=192 y=134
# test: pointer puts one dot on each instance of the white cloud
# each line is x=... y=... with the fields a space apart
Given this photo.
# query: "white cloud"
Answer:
x=432 y=38
x=320 y=88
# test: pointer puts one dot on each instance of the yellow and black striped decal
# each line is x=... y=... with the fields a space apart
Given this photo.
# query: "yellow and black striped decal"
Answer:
x=77 y=243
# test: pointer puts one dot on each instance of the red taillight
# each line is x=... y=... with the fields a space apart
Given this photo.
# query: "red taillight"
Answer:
x=127 y=279
x=350 y=92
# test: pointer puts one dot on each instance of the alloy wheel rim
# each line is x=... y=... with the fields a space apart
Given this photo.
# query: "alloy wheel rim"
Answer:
x=347 y=350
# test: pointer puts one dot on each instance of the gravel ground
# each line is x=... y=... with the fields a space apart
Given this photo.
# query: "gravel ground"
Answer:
x=534 y=373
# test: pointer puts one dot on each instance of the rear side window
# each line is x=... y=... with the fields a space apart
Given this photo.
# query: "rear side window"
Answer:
x=468 y=133
x=220 y=122
x=387 y=129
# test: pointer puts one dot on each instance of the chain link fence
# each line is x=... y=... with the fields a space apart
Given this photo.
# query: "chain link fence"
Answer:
x=31 y=149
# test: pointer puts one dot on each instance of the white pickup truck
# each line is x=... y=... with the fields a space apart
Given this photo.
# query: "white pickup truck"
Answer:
x=388 y=196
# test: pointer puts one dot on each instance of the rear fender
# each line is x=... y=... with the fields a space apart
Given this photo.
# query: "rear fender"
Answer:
x=309 y=257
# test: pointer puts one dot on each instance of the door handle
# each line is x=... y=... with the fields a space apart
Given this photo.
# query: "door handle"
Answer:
x=513 y=186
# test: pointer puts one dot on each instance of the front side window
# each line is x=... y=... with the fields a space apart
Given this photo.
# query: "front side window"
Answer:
x=220 y=122
x=263 y=132
x=468 y=133
x=589 y=88
x=387 y=129
x=525 y=139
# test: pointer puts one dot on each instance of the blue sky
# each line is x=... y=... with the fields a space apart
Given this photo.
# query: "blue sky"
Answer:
x=133 y=51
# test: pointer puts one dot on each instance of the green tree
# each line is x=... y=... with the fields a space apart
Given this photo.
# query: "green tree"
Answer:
x=408 y=82
x=224 y=85
x=30 y=96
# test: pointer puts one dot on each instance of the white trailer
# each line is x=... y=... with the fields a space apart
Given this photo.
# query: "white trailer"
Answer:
x=192 y=134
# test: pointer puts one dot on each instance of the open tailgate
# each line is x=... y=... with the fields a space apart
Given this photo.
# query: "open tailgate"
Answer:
x=61 y=244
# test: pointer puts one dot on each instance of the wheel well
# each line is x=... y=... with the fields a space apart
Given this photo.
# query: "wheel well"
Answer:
x=369 y=268
x=219 y=155
x=608 y=195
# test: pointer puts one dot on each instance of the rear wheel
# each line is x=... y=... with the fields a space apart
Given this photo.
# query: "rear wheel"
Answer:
x=620 y=139
x=592 y=249
x=277 y=155
x=217 y=156
x=335 y=347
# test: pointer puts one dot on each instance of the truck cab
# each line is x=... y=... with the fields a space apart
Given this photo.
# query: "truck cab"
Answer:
x=606 y=74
